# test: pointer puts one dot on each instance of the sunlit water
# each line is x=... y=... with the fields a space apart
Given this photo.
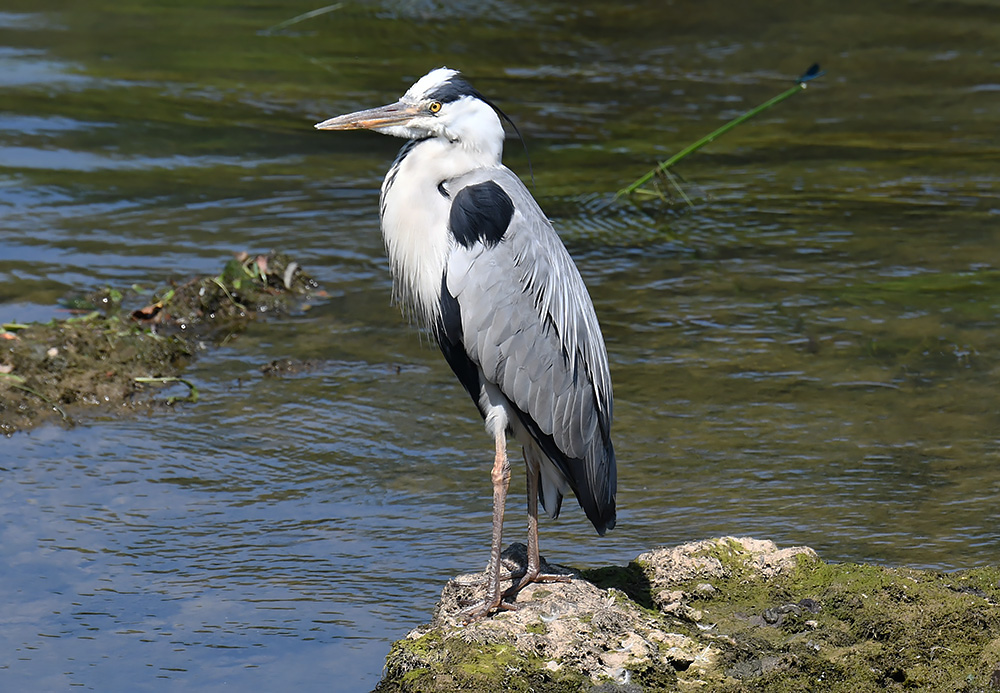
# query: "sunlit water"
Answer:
x=810 y=354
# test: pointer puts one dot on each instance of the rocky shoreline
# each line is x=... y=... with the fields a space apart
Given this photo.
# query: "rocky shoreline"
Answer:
x=725 y=614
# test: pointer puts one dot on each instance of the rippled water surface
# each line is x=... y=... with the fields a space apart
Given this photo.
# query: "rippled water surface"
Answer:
x=809 y=353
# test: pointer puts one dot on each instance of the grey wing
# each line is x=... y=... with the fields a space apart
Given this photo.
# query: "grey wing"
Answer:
x=528 y=322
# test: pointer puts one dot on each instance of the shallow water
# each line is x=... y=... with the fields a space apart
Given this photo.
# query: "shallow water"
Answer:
x=809 y=354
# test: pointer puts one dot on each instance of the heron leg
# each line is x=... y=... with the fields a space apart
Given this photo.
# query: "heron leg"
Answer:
x=493 y=601
x=533 y=572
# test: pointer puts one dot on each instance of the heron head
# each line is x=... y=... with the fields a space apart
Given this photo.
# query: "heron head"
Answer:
x=439 y=104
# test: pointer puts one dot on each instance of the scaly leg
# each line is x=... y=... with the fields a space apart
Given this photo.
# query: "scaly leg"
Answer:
x=533 y=573
x=501 y=480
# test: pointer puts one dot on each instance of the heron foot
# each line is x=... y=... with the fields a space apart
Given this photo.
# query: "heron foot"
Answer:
x=484 y=608
x=480 y=595
x=477 y=579
x=538 y=577
x=504 y=601
x=549 y=577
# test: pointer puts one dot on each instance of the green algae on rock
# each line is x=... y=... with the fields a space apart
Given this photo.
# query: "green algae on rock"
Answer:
x=727 y=614
x=108 y=359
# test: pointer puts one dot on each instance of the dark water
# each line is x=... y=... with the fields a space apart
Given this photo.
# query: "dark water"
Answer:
x=809 y=354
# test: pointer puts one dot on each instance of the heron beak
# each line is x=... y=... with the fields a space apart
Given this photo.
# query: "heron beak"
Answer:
x=372 y=118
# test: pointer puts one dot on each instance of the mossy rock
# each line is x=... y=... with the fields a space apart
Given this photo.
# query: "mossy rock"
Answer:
x=723 y=614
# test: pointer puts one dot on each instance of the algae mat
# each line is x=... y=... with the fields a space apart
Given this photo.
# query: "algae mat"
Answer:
x=112 y=359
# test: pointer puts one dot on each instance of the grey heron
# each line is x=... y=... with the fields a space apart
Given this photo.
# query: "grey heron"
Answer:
x=477 y=263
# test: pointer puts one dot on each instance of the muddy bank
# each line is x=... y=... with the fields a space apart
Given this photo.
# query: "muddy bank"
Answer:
x=717 y=615
x=121 y=349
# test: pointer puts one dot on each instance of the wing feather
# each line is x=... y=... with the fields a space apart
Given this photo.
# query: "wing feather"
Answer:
x=529 y=324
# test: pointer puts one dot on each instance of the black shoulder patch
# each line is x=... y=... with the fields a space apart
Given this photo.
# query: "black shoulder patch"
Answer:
x=480 y=213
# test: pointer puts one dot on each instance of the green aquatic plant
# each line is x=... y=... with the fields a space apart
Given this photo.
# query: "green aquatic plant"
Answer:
x=663 y=168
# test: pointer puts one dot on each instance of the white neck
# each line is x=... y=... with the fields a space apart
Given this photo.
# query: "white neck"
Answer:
x=415 y=212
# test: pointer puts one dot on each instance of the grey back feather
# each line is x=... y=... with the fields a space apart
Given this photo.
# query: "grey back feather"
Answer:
x=529 y=323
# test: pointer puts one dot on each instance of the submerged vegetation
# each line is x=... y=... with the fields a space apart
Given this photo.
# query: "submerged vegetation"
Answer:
x=113 y=356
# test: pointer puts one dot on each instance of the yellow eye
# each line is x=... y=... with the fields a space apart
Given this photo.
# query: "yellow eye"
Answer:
x=434 y=107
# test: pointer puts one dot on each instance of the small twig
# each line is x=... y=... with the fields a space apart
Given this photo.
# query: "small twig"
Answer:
x=810 y=74
x=222 y=286
x=680 y=191
x=84 y=318
x=302 y=17
x=18 y=384
x=192 y=393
